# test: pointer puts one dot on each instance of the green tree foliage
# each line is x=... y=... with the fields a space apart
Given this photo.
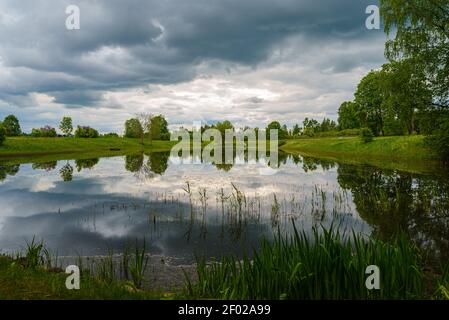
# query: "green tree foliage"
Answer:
x=158 y=162
x=159 y=128
x=296 y=130
x=86 y=132
x=8 y=170
x=405 y=93
x=45 y=132
x=12 y=126
x=133 y=128
x=2 y=134
x=366 y=135
x=348 y=116
x=133 y=163
x=110 y=135
x=327 y=125
x=220 y=126
x=66 y=173
x=223 y=126
x=86 y=163
x=421 y=33
x=66 y=126
x=47 y=166
x=369 y=96
x=282 y=130
x=439 y=140
x=389 y=101
x=311 y=127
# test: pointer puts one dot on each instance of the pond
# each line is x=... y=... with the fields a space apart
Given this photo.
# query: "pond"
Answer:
x=183 y=208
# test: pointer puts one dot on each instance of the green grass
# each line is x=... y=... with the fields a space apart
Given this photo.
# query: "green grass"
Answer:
x=328 y=265
x=18 y=282
x=322 y=265
x=37 y=276
x=407 y=153
x=25 y=147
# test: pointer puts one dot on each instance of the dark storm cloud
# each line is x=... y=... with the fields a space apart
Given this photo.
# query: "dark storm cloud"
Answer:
x=125 y=44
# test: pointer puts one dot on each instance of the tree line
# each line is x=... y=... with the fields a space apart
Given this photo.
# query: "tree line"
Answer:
x=142 y=126
x=10 y=127
x=410 y=93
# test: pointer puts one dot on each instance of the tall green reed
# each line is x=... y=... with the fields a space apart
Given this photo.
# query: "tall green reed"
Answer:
x=324 y=265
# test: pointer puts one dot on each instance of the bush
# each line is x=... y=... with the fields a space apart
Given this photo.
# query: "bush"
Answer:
x=110 y=135
x=342 y=133
x=86 y=132
x=309 y=132
x=2 y=134
x=45 y=132
x=366 y=135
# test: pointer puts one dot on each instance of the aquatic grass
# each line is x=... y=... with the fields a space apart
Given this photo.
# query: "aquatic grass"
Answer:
x=106 y=267
x=125 y=262
x=139 y=265
x=443 y=284
x=34 y=254
x=323 y=265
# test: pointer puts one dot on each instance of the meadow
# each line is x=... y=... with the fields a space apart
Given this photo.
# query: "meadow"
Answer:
x=407 y=153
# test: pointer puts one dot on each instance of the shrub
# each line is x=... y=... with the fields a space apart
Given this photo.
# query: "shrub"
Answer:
x=45 y=132
x=2 y=134
x=86 y=132
x=110 y=135
x=366 y=135
x=309 y=132
x=342 y=133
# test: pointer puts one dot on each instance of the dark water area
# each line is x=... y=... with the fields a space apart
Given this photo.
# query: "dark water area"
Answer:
x=183 y=207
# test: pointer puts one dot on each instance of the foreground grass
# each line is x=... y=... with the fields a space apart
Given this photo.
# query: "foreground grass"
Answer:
x=326 y=266
x=21 y=147
x=407 y=153
x=36 y=275
x=18 y=282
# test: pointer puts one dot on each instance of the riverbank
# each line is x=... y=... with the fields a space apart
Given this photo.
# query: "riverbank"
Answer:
x=285 y=268
x=408 y=153
x=20 y=282
x=77 y=148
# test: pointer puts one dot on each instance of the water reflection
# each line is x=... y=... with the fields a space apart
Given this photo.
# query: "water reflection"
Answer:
x=66 y=172
x=393 y=201
x=47 y=166
x=86 y=163
x=211 y=209
x=8 y=170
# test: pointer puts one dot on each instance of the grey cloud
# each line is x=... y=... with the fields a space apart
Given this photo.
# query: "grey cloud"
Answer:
x=128 y=44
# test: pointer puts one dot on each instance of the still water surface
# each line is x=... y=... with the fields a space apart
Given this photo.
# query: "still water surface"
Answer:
x=88 y=207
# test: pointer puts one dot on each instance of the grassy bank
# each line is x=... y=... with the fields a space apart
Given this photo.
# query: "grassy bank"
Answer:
x=27 y=147
x=18 y=282
x=37 y=275
x=407 y=153
x=325 y=265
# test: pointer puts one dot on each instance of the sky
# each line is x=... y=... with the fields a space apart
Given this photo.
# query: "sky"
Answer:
x=247 y=61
